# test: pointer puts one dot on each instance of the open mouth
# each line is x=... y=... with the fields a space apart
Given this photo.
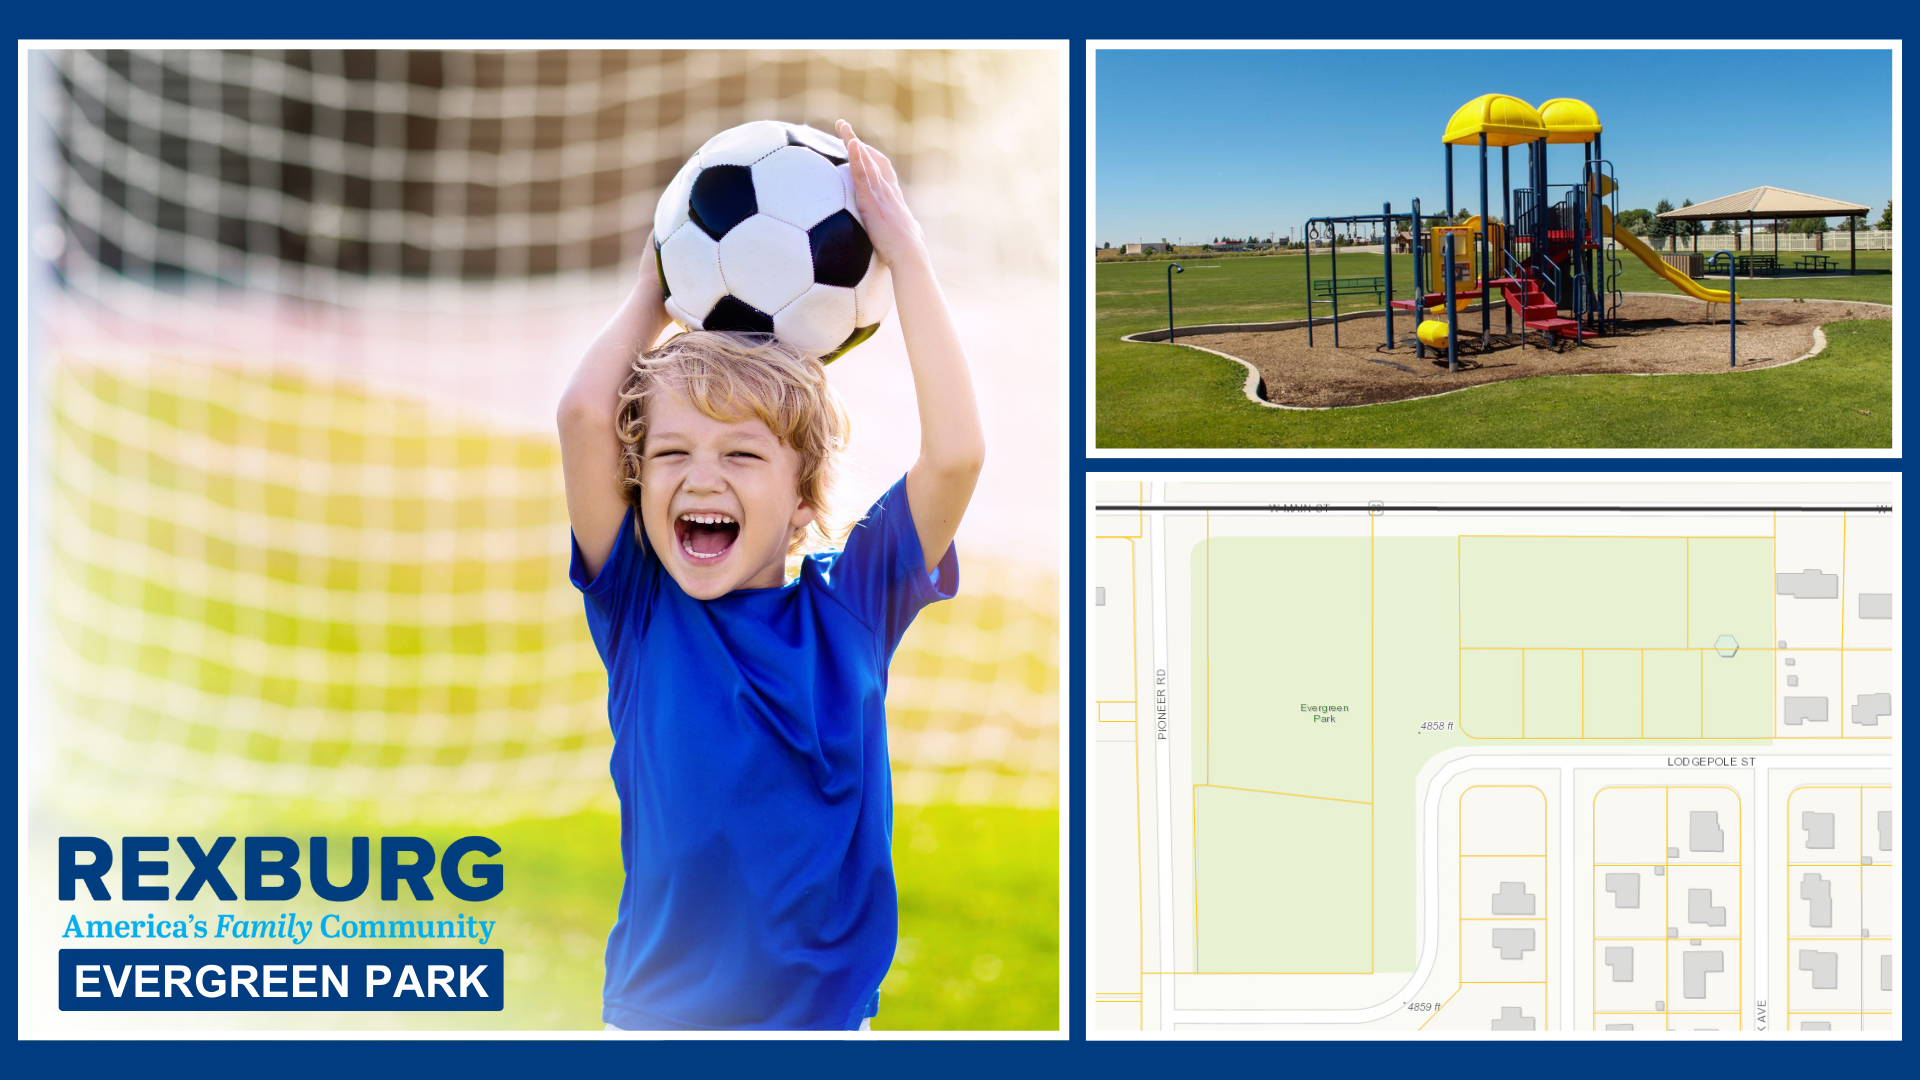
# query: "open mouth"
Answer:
x=705 y=536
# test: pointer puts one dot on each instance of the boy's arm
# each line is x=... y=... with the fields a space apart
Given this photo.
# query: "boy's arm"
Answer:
x=588 y=414
x=952 y=445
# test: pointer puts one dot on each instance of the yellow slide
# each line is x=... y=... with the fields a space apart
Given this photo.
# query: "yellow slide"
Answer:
x=1659 y=265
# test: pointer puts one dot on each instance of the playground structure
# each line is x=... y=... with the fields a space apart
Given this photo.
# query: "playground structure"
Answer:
x=1551 y=267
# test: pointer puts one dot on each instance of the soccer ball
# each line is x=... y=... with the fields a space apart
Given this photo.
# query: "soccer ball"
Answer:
x=758 y=233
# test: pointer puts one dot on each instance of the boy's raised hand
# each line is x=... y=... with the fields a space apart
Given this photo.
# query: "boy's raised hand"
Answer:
x=650 y=278
x=883 y=209
x=952 y=445
x=590 y=444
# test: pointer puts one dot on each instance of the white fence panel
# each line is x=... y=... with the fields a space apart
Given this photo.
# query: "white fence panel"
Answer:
x=1835 y=241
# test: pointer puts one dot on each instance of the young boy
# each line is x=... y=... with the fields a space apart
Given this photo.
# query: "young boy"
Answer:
x=748 y=710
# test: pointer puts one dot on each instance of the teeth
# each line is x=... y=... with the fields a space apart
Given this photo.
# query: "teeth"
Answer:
x=707 y=519
x=688 y=548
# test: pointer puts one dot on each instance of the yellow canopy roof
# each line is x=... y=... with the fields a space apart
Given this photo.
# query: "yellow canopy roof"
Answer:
x=1503 y=118
x=1569 y=120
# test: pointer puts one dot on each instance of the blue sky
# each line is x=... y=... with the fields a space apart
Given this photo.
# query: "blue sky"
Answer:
x=1204 y=143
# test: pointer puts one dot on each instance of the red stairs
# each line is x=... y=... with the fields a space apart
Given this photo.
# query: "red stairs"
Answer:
x=1536 y=309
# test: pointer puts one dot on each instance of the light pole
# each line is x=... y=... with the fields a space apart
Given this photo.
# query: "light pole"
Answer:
x=1172 y=269
x=1733 y=320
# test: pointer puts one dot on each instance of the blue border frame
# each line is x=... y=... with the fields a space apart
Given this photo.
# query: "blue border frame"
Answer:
x=982 y=20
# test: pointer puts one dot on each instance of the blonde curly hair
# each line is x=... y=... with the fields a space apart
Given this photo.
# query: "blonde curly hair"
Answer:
x=736 y=376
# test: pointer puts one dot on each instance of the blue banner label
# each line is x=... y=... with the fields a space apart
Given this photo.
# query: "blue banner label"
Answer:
x=281 y=980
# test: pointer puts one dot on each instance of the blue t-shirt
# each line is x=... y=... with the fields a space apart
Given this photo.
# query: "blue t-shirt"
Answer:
x=750 y=756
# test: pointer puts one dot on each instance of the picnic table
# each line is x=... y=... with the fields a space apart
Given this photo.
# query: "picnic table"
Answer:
x=1821 y=263
x=1745 y=265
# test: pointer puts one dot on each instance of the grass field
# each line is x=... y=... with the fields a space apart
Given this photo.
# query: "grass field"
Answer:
x=979 y=920
x=1153 y=395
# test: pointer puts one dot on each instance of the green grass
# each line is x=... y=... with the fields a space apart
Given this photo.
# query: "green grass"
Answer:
x=979 y=921
x=1154 y=395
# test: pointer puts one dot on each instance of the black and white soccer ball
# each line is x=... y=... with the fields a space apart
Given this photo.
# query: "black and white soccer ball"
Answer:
x=758 y=232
